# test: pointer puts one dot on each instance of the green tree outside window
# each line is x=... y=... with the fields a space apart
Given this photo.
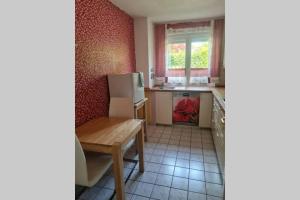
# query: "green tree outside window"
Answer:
x=199 y=55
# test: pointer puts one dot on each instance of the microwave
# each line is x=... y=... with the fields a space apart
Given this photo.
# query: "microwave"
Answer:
x=127 y=85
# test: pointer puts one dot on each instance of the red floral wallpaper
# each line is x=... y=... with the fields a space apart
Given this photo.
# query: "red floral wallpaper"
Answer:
x=104 y=44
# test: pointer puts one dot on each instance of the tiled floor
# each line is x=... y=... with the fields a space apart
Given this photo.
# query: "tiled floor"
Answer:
x=180 y=164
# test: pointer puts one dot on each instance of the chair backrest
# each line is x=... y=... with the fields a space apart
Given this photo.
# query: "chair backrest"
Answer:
x=121 y=107
x=81 y=173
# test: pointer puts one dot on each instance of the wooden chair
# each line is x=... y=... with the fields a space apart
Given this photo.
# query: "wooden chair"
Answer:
x=122 y=107
x=89 y=166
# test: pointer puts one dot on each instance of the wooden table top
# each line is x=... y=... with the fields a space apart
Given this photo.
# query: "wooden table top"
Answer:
x=108 y=130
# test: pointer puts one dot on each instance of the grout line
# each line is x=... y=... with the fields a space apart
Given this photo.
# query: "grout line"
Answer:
x=203 y=163
x=189 y=171
x=177 y=151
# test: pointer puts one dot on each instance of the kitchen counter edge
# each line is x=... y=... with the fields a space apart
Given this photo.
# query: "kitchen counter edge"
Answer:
x=218 y=92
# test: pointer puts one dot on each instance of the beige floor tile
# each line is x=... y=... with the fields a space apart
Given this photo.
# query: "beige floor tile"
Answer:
x=215 y=189
x=182 y=163
x=137 y=197
x=196 y=196
x=196 y=165
x=160 y=192
x=176 y=194
x=164 y=180
x=144 y=189
x=169 y=161
x=180 y=183
x=166 y=169
x=197 y=186
x=211 y=167
x=148 y=177
x=213 y=177
x=181 y=172
x=131 y=186
x=197 y=175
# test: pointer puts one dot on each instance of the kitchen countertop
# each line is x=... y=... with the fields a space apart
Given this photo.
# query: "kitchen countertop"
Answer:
x=181 y=89
x=218 y=92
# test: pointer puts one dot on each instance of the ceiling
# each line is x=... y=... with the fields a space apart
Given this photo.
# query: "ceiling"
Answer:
x=172 y=10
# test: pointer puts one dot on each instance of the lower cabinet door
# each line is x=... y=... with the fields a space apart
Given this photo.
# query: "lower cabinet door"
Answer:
x=163 y=105
x=218 y=132
x=205 y=110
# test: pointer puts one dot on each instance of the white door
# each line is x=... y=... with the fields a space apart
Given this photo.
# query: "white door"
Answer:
x=163 y=107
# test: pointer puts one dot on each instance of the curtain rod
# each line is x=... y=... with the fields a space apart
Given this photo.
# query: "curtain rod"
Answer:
x=192 y=20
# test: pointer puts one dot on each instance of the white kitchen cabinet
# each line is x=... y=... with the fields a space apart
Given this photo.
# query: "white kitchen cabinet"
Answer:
x=205 y=110
x=163 y=105
x=218 y=132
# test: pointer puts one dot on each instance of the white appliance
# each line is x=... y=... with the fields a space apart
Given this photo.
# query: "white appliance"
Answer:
x=127 y=85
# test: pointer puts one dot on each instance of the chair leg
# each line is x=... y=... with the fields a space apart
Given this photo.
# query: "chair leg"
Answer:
x=80 y=192
x=136 y=145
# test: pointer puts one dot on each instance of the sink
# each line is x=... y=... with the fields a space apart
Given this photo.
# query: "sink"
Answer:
x=167 y=87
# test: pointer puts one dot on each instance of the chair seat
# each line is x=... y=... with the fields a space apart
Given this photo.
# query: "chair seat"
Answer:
x=97 y=165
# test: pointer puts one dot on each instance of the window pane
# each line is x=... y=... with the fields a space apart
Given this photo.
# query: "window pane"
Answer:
x=176 y=60
x=199 y=57
x=176 y=56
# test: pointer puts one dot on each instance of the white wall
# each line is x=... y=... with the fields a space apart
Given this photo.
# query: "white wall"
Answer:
x=141 y=47
x=143 y=38
x=151 y=51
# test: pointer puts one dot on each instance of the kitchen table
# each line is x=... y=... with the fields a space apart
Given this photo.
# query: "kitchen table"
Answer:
x=111 y=135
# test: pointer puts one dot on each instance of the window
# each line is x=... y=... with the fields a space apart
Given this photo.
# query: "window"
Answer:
x=176 y=55
x=199 y=58
x=187 y=56
x=176 y=59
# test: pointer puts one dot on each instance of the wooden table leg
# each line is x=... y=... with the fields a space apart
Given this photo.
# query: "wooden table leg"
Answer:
x=145 y=124
x=140 y=145
x=135 y=116
x=118 y=171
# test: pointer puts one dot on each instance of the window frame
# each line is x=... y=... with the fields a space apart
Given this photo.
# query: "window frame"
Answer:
x=188 y=38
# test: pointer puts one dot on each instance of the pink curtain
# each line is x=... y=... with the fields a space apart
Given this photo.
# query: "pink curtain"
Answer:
x=181 y=72
x=160 y=37
x=218 y=31
x=188 y=24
